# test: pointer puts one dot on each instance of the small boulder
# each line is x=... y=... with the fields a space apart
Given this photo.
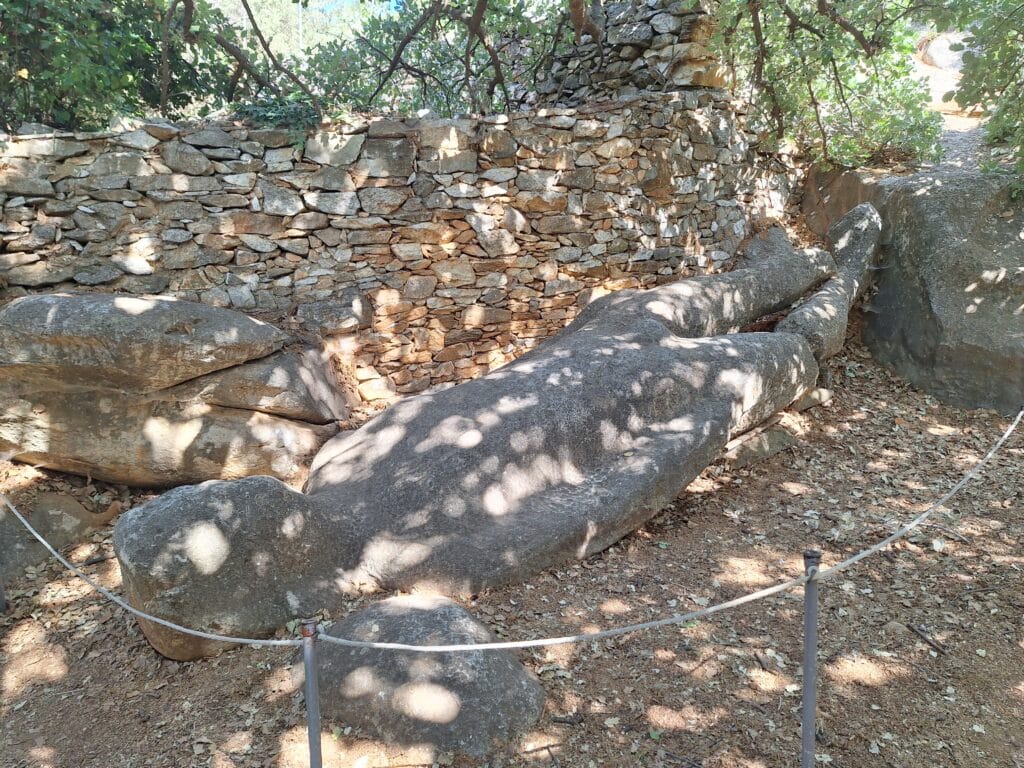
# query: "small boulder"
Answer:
x=467 y=702
x=220 y=557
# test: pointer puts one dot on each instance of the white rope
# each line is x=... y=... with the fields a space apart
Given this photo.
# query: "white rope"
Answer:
x=587 y=637
x=917 y=521
x=813 y=573
x=140 y=614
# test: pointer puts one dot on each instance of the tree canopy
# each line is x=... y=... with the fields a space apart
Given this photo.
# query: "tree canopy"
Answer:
x=833 y=76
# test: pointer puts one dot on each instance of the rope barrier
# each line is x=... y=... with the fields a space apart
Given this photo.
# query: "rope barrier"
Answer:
x=582 y=638
x=917 y=521
x=123 y=604
x=812 y=574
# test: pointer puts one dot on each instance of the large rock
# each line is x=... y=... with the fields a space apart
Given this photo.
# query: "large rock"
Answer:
x=949 y=312
x=555 y=456
x=139 y=344
x=229 y=557
x=465 y=703
x=145 y=442
x=552 y=457
x=708 y=306
x=823 y=318
x=150 y=392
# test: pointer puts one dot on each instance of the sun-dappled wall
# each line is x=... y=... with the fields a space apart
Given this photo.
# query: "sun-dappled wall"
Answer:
x=428 y=250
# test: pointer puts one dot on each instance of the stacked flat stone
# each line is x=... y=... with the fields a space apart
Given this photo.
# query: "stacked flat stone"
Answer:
x=653 y=45
x=425 y=251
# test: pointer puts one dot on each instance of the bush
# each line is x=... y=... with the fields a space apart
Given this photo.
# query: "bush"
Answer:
x=75 y=64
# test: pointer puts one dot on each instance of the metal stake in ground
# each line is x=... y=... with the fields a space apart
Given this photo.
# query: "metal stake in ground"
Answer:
x=312 y=692
x=812 y=559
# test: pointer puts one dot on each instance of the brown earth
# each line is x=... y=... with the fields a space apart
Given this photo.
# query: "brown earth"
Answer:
x=922 y=647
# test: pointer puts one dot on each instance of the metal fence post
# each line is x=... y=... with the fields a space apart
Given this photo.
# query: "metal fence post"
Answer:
x=312 y=692
x=809 y=710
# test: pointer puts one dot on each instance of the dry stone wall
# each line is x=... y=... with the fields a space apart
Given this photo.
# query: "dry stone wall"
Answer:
x=644 y=45
x=424 y=251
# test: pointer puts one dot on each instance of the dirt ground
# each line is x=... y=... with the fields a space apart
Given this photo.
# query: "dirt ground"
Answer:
x=922 y=648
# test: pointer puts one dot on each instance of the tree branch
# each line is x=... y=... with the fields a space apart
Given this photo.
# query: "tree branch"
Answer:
x=485 y=40
x=245 y=62
x=826 y=9
x=165 y=56
x=228 y=46
x=426 y=16
x=796 y=22
x=754 y=8
x=544 y=62
x=422 y=74
x=277 y=64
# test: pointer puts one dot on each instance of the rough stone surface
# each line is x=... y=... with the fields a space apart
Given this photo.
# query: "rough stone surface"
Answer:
x=709 y=306
x=234 y=545
x=657 y=45
x=761 y=446
x=822 y=319
x=158 y=393
x=466 y=703
x=555 y=456
x=531 y=214
x=329 y=318
x=60 y=518
x=185 y=159
x=948 y=312
x=126 y=343
x=296 y=385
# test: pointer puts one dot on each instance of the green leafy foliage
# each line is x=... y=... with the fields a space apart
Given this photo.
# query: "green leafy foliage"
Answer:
x=993 y=64
x=834 y=77
x=841 y=95
x=295 y=112
x=74 y=64
x=439 y=69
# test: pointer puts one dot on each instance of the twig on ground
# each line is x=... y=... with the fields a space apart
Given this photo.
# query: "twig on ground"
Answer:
x=924 y=636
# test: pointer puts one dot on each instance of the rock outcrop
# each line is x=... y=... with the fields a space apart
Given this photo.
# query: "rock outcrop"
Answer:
x=467 y=703
x=949 y=312
x=823 y=318
x=157 y=392
x=553 y=457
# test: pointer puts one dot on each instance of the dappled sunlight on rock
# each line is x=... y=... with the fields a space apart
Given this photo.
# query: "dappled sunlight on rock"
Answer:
x=168 y=440
x=135 y=306
x=206 y=547
x=427 y=701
